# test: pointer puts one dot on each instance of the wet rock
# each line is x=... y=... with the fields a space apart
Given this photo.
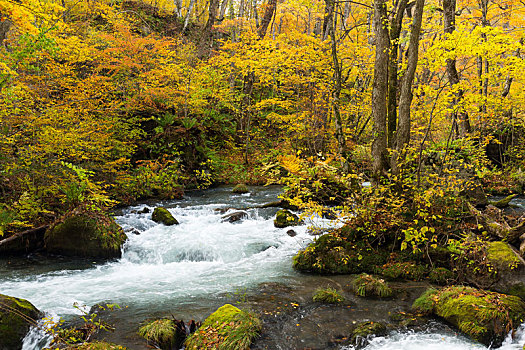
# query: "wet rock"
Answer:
x=163 y=216
x=285 y=218
x=240 y=189
x=23 y=243
x=167 y=333
x=228 y=328
x=509 y=267
x=365 y=330
x=145 y=210
x=16 y=316
x=98 y=345
x=234 y=217
x=133 y=231
x=503 y=203
x=485 y=316
x=476 y=196
x=291 y=233
x=85 y=234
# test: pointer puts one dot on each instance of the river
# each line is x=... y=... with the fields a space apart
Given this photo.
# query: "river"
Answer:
x=186 y=270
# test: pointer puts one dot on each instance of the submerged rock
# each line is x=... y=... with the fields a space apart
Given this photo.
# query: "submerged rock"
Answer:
x=365 y=330
x=226 y=328
x=16 y=317
x=509 y=269
x=233 y=217
x=240 y=189
x=285 y=218
x=163 y=216
x=291 y=233
x=85 y=234
x=485 y=316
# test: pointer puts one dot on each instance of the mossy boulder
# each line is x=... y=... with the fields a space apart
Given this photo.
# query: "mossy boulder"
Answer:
x=16 y=317
x=509 y=269
x=285 y=218
x=162 y=334
x=407 y=270
x=485 y=316
x=328 y=296
x=240 y=189
x=226 y=328
x=332 y=254
x=85 y=234
x=366 y=285
x=367 y=329
x=163 y=216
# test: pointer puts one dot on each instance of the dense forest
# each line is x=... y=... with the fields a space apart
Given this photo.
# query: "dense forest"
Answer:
x=396 y=117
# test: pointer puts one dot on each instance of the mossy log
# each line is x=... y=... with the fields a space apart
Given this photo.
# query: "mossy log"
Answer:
x=503 y=203
x=492 y=222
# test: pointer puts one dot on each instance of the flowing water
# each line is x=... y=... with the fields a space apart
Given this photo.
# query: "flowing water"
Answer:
x=186 y=270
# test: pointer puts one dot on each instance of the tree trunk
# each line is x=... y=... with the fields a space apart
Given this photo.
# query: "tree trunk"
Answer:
x=267 y=18
x=449 y=22
x=224 y=6
x=380 y=89
x=188 y=15
x=405 y=99
x=395 y=31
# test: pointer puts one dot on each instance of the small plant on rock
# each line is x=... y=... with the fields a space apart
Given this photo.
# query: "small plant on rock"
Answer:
x=328 y=295
x=366 y=285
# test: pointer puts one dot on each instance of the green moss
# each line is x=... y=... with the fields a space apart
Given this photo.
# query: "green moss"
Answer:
x=240 y=188
x=484 y=316
x=163 y=216
x=366 y=285
x=86 y=234
x=366 y=329
x=99 y=345
x=502 y=257
x=440 y=275
x=228 y=328
x=404 y=270
x=517 y=289
x=161 y=333
x=328 y=295
x=285 y=218
x=331 y=254
x=16 y=316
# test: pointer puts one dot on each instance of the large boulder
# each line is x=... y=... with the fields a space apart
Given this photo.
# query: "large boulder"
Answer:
x=234 y=217
x=85 y=234
x=240 y=189
x=226 y=328
x=485 y=316
x=16 y=317
x=163 y=216
x=285 y=218
x=509 y=269
x=23 y=242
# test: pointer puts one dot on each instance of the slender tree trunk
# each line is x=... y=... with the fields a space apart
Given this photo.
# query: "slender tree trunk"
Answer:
x=188 y=15
x=380 y=89
x=267 y=18
x=224 y=7
x=178 y=8
x=449 y=22
x=337 y=85
x=395 y=31
x=405 y=99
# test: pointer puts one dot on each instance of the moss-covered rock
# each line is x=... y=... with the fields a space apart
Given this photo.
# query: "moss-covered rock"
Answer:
x=502 y=257
x=367 y=329
x=85 y=234
x=331 y=254
x=404 y=270
x=163 y=216
x=226 y=328
x=240 y=189
x=285 y=218
x=161 y=333
x=366 y=285
x=485 y=316
x=99 y=345
x=328 y=295
x=441 y=276
x=16 y=317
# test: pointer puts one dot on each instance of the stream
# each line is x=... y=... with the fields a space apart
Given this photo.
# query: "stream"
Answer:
x=189 y=270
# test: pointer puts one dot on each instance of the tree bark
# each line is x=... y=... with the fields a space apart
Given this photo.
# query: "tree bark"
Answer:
x=449 y=22
x=188 y=15
x=395 y=32
x=380 y=89
x=267 y=18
